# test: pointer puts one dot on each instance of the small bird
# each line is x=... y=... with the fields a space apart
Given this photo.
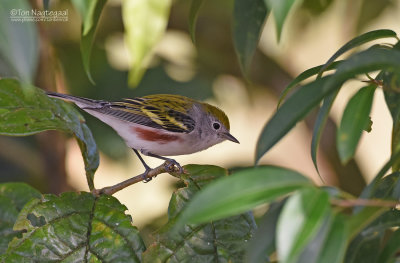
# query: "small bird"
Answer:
x=160 y=125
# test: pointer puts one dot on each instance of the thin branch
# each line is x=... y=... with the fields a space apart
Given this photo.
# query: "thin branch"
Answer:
x=166 y=167
x=365 y=202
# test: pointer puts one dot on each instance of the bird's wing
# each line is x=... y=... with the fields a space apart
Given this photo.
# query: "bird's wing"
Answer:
x=152 y=112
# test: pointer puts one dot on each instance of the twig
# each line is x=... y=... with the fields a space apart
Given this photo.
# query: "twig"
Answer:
x=364 y=202
x=373 y=81
x=110 y=190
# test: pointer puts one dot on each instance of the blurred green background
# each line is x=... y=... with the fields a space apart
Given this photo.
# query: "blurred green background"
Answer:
x=206 y=70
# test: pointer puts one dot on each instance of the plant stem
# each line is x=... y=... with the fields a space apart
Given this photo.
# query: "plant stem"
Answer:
x=163 y=168
x=365 y=202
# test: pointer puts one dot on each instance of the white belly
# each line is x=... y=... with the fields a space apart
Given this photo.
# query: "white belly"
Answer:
x=149 y=139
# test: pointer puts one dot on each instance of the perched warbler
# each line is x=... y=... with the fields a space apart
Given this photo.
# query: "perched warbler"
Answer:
x=160 y=125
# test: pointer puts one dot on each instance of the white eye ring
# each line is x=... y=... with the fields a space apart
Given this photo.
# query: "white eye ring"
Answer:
x=216 y=125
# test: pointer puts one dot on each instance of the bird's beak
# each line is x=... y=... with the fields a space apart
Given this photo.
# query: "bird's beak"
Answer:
x=228 y=136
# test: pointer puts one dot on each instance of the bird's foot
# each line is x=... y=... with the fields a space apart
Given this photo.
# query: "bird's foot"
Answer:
x=145 y=177
x=173 y=166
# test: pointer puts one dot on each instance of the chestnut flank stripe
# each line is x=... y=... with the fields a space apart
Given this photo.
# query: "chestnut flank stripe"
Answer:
x=154 y=136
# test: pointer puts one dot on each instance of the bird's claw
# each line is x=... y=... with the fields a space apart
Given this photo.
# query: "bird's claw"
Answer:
x=144 y=176
x=171 y=164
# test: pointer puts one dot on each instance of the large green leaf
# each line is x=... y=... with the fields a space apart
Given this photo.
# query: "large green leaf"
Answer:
x=145 y=22
x=75 y=227
x=217 y=241
x=26 y=110
x=354 y=120
x=309 y=208
x=357 y=41
x=248 y=20
x=13 y=196
x=194 y=13
x=90 y=12
x=241 y=192
x=311 y=94
x=19 y=47
x=281 y=9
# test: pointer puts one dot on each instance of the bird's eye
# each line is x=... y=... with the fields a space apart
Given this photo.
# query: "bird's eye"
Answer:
x=216 y=125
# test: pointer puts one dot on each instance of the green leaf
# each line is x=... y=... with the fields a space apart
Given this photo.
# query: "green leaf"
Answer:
x=357 y=41
x=372 y=59
x=391 y=218
x=145 y=22
x=335 y=243
x=75 y=227
x=354 y=120
x=391 y=85
x=365 y=247
x=310 y=95
x=374 y=185
x=241 y=192
x=390 y=249
x=329 y=244
x=310 y=208
x=281 y=9
x=292 y=111
x=386 y=188
x=263 y=241
x=248 y=21
x=19 y=45
x=18 y=193
x=303 y=76
x=90 y=12
x=319 y=126
x=26 y=110
x=194 y=13
x=13 y=196
x=218 y=241
x=363 y=218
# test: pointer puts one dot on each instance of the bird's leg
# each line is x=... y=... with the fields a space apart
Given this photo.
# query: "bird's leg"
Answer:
x=172 y=162
x=145 y=178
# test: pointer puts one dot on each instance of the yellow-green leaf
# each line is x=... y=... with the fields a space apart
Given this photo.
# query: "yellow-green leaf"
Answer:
x=26 y=110
x=90 y=12
x=355 y=119
x=145 y=22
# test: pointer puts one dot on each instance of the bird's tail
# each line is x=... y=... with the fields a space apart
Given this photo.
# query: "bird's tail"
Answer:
x=82 y=103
